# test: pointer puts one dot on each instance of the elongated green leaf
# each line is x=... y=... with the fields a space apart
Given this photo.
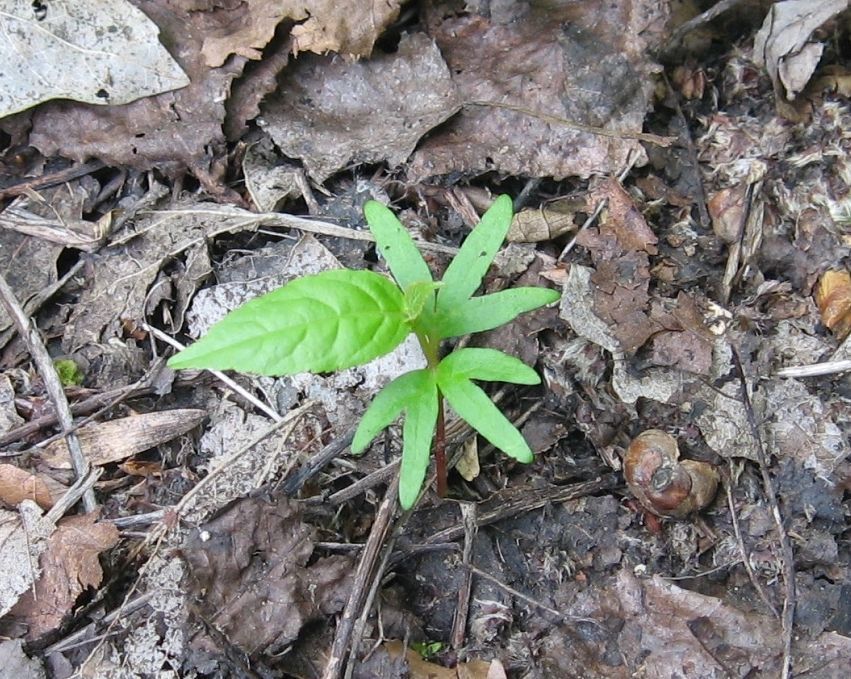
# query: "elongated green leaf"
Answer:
x=420 y=418
x=388 y=404
x=329 y=321
x=464 y=274
x=472 y=363
x=396 y=245
x=473 y=405
x=478 y=314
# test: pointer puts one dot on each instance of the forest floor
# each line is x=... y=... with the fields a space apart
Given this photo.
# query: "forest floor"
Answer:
x=685 y=186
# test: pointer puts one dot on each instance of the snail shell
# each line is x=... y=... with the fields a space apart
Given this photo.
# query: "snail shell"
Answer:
x=662 y=483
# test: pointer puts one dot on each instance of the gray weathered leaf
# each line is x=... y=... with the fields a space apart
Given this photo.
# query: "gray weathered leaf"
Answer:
x=88 y=50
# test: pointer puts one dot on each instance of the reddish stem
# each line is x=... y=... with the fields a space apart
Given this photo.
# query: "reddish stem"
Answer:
x=440 y=449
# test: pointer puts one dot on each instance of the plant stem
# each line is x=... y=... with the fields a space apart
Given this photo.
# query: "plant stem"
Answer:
x=440 y=449
x=431 y=349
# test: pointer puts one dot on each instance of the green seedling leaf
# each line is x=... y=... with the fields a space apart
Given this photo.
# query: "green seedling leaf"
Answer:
x=478 y=314
x=396 y=246
x=387 y=405
x=417 y=296
x=464 y=274
x=415 y=393
x=420 y=418
x=329 y=321
x=475 y=407
x=473 y=363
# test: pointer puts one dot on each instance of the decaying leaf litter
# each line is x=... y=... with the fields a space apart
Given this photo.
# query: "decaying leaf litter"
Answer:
x=694 y=264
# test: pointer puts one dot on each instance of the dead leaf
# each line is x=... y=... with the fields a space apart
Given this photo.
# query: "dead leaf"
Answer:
x=170 y=131
x=321 y=26
x=9 y=417
x=17 y=485
x=121 y=276
x=15 y=662
x=29 y=265
x=69 y=565
x=141 y=468
x=547 y=222
x=622 y=218
x=248 y=567
x=580 y=61
x=783 y=43
x=269 y=180
x=833 y=296
x=109 y=52
x=350 y=29
x=23 y=537
x=106 y=442
x=468 y=464
x=727 y=209
x=331 y=113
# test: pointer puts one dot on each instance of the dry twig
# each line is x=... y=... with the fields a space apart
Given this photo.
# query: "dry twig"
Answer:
x=789 y=599
x=257 y=403
x=364 y=575
x=581 y=127
x=44 y=364
x=462 y=610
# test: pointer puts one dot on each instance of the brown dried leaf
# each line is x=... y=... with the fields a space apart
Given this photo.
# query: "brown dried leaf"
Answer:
x=248 y=567
x=727 y=209
x=349 y=28
x=105 y=442
x=546 y=222
x=69 y=566
x=783 y=44
x=833 y=296
x=17 y=485
x=622 y=218
x=321 y=26
x=332 y=113
x=584 y=62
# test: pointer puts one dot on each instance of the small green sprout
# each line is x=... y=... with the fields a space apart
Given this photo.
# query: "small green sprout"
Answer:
x=69 y=372
x=342 y=318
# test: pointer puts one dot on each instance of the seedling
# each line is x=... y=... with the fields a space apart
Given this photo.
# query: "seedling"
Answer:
x=338 y=319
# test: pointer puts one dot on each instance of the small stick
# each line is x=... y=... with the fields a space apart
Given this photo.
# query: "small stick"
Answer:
x=280 y=219
x=342 y=645
x=462 y=610
x=581 y=127
x=288 y=423
x=529 y=600
x=745 y=556
x=123 y=393
x=48 y=180
x=253 y=400
x=783 y=537
x=294 y=483
x=29 y=333
x=508 y=505
x=630 y=161
x=815 y=369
